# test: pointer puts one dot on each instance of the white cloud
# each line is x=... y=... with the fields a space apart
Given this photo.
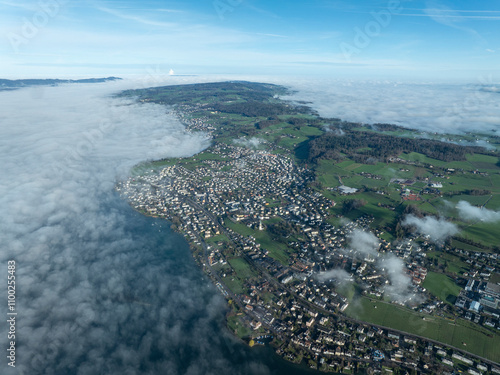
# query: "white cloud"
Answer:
x=399 y=287
x=252 y=142
x=338 y=275
x=430 y=107
x=473 y=213
x=138 y=19
x=364 y=242
x=436 y=229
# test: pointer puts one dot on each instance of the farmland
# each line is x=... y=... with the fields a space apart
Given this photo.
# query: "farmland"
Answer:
x=459 y=333
x=284 y=190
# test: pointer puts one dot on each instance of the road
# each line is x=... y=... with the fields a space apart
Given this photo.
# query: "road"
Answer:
x=282 y=287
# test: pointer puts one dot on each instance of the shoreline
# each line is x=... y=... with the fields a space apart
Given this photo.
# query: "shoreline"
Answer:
x=232 y=200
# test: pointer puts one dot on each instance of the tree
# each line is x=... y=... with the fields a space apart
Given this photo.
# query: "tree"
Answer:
x=352 y=204
x=368 y=146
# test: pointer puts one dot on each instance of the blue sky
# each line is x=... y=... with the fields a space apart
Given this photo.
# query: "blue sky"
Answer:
x=396 y=39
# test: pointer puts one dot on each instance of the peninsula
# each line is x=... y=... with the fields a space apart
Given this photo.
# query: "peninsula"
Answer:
x=327 y=237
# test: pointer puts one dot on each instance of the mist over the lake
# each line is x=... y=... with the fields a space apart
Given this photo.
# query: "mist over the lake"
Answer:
x=101 y=289
x=431 y=107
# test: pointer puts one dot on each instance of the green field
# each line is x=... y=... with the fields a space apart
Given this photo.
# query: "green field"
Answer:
x=465 y=246
x=452 y=263
x=239 y=228
x=234 y=284
x=243 y=272
x=485 y=233
x=484 y=161
x=208 y=156
x=236 y=324
x=476 y=339
x=217 y=238
x=242 y=268
x=277 y=250
x=329 y=173
x=289 y=131
x=474 y=200
x=441 y=286
x=415 y=156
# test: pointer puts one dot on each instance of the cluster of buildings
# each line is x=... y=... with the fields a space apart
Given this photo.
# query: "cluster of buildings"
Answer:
x=251 y=187
x=233 y=184
x=481 y=265
x=480 y=301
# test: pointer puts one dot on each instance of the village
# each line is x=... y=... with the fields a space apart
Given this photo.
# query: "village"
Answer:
x=262 y=235
x=302 y=264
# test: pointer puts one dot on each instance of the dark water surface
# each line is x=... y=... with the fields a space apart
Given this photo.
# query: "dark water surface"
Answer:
x=172 y=258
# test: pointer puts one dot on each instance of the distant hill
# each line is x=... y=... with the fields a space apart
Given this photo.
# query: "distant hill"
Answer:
x=8 y=84
x=219 y=93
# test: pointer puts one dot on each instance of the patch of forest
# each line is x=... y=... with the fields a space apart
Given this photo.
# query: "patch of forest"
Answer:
x=295 y=121
x=253 y=108
x=369 y=147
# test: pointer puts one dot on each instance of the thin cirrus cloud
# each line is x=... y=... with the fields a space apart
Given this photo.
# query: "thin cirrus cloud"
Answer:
x=19 y=5
x=437 y=16
x=444 y=15
x=138 y=19
x=263 y=36
x=454 y=18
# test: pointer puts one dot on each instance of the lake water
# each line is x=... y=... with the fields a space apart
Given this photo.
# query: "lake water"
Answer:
x=170 y=253
x=100 y=288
